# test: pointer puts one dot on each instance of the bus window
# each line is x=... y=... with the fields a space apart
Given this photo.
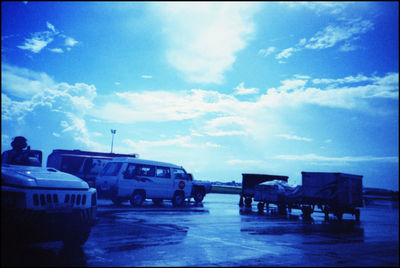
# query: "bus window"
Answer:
x=71 y=164
x=111 y=169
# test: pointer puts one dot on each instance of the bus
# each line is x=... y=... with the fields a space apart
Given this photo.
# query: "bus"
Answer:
x=83 y=164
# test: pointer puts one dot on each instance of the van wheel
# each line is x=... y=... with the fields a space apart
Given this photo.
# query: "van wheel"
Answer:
x=199 y=195
x=137 y=198
x=178 y=199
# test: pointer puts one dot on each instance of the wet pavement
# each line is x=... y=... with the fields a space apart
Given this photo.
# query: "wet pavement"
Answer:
x=220 y=233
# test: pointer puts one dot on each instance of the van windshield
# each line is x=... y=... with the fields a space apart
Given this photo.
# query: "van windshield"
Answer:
x=111 y=169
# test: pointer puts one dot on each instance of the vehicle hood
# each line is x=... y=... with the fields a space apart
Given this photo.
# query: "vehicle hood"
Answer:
x=29 y=176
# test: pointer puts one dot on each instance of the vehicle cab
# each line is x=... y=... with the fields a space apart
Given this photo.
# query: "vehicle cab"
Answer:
x=44 y=204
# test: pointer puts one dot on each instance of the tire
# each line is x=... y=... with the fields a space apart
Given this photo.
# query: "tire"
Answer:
x=157 y=201
x=137 y=198
x=178 y=200
x=199 y=195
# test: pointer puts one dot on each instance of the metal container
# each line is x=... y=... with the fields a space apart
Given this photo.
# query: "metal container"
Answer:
x=335 y=189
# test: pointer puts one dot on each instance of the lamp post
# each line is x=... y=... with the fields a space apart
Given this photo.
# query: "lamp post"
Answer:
x=112 y=141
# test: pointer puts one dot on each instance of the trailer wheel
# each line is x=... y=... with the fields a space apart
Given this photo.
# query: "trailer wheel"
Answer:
x=260 y=207
x=306 y=212
x=357 y=213
x=339 y=215
x=326 y=212
x=199 y=195
x=137 y=198
x=248 y=201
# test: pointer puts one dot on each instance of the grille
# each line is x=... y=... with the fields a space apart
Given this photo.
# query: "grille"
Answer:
x=44 y=199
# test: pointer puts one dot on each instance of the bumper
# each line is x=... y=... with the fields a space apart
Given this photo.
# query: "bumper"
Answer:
x=30 y=226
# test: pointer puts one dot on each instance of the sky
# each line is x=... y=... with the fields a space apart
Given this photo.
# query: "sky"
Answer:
x=221 y=88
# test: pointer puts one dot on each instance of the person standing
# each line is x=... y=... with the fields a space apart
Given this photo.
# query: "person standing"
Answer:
x=17 y=155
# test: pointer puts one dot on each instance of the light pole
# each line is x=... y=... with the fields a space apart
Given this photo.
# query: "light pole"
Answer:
x=112 y=141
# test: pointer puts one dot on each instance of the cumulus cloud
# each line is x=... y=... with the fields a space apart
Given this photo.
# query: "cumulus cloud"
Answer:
x=38 y=91
x=204 y=37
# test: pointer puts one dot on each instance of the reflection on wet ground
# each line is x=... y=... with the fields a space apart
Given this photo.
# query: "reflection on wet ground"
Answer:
x=43 y=254
x=219 y=233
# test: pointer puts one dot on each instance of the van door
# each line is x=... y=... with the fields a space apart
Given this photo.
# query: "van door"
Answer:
x=164 y=183
x=137 y=177
x=129 y=181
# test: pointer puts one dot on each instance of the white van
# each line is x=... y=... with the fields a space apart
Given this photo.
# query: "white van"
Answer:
x=126 y=178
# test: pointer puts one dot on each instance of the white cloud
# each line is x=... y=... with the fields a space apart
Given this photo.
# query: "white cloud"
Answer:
x=23 y=83
x=203 y=37
x=147 y=76
x=320 y=7
x=334 y=34
x=318 y=158
x=36 y=43
x=234 y=162
x=39 y=91
x=56 y=50
x=180 y=141
x=286 y=53
x=51 y=27
x=241 y=90
x=40 y=40
x=70 y=42
x=294 y=137
x=292 y=84
x=346 y=31
x=266 y=52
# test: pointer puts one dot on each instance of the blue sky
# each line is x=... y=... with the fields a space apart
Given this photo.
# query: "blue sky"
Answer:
x=219 y=88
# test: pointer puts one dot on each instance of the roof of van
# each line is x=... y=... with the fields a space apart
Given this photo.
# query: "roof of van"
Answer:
x=144 y=161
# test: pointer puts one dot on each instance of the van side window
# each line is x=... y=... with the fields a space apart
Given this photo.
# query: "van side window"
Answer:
x=130 y=171
x=179 y=173
x=111 y=169
x=163 y=172
x=145 y=170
